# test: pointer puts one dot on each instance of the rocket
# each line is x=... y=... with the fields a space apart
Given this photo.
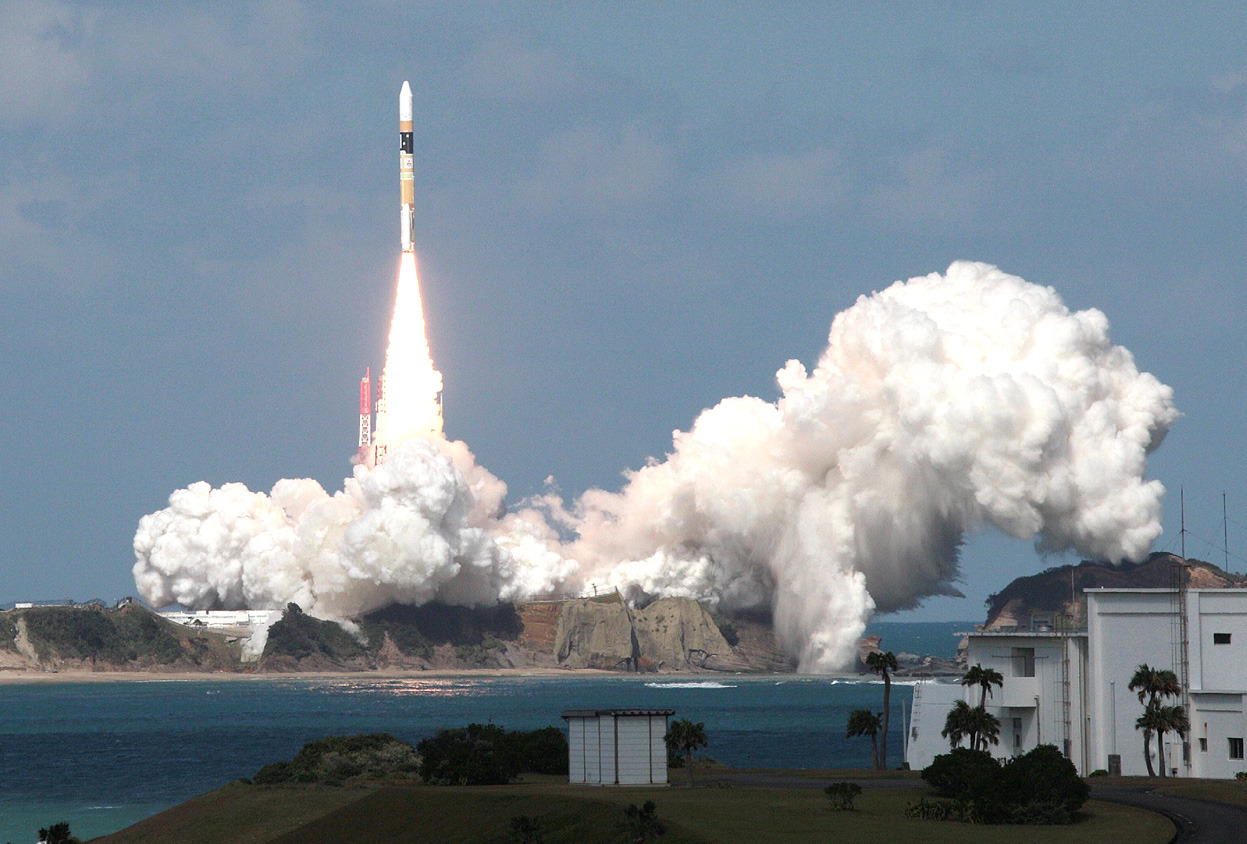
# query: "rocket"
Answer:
x=406 y=176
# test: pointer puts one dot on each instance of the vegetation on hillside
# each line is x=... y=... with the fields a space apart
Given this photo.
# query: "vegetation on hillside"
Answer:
x=299 y=635
x=130 y=635
x=477 y=633
x=485 y=754
x=334 y=760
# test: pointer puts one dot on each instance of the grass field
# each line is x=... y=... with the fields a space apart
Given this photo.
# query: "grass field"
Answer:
x=1223 y=791
x=420 y=813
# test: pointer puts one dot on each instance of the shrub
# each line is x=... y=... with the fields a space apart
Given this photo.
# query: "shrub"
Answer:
x=334 y=760
x=1241 y=775
x=842 y=795
x=526 y=830
x=1098 y=772
x=961 y=773
x=1041 y=787
x=1043 y=784
x=484 y=754
x=642 y=824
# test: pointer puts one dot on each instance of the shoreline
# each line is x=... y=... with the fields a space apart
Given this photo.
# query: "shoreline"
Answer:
x=78 y=675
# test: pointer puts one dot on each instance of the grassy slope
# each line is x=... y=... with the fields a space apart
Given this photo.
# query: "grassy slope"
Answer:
x=238 y=814
x=418 y=813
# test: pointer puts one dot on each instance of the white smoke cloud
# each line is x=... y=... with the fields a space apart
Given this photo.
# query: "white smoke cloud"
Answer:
x=411 y=530
x=941 y=404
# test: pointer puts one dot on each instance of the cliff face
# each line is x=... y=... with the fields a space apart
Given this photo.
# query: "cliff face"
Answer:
x=672 y=634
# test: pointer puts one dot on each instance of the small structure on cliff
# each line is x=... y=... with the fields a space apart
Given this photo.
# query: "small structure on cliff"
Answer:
x=617 y=746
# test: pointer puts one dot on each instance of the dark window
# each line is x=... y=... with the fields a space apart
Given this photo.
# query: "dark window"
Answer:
x=1236 y=748
x=1220 y=638
x=1203 y=745
x=1023 y=662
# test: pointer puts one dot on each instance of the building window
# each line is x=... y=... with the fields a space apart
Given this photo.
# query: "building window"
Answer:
x=1203 y=745
x=1220 y=638
x=1236 y=748
x=1023 y=662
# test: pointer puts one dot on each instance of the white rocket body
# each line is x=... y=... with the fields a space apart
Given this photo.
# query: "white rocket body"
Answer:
x=406 y=175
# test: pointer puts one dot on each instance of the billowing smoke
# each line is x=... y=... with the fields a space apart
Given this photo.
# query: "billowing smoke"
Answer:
x=940 y=405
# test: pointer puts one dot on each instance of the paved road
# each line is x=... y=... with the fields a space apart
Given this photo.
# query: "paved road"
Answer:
x=1198 y=821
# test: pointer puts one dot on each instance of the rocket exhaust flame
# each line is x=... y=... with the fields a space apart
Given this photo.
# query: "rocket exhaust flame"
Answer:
x=413 y=387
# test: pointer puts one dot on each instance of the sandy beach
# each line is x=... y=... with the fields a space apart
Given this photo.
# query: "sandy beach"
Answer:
x=87 y=676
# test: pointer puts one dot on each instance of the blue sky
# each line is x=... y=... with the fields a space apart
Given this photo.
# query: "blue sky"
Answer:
x=624 y=213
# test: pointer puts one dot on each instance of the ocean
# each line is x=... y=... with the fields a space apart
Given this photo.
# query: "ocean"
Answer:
x=103 y=755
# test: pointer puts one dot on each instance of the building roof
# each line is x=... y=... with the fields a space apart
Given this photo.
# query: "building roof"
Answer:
x=1029 y=634
x=591 y=713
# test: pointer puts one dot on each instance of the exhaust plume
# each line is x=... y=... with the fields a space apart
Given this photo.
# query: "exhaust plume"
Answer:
x=941 y=405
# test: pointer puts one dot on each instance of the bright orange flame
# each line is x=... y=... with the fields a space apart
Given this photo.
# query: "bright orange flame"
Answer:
x=413 y=388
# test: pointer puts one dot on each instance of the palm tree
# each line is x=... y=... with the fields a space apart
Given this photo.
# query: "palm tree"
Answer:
x=881 y=662
x=683 y=736
x=1149 y=722
x=1151 y=685
x=986 y=728
x=863 y=722
x=1169 y=719
x=984 y=678
x=959 y=724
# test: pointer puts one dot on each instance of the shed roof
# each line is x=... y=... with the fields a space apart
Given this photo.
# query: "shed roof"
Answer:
x=591 y=713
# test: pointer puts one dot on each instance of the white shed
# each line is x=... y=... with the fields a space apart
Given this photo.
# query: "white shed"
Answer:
x=617 y=746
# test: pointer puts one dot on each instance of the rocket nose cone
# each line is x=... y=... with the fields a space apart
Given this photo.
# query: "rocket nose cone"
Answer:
x=404 y=102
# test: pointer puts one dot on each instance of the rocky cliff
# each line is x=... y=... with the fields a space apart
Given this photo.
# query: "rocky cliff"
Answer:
x=672 y=634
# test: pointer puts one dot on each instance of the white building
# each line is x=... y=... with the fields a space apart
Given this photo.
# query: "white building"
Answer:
x=617 y=746
x=1070 y=689
x=223 y=619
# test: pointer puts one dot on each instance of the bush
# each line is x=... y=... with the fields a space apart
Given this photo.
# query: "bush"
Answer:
x=484 y=754
x=334 y=760
x=842 y=795
x=1041 y=787
x=1241 y=775
x=642 y=824
x=526 y=830
x=1098 y=772
x=961 y=773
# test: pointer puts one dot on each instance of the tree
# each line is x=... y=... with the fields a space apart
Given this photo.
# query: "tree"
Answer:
x=58 y=833
x=985 y=728
x=863 y=722
x=1169 y=719
x=959 y=724
x=683 y=736
x=1152 y=685
x=881 y=662
x=984 y=678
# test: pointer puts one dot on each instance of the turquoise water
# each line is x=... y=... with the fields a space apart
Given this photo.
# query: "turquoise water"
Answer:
x=924 y=638
x=104 y=755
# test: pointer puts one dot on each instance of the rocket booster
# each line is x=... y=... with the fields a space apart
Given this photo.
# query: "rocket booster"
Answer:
x=406 y=175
